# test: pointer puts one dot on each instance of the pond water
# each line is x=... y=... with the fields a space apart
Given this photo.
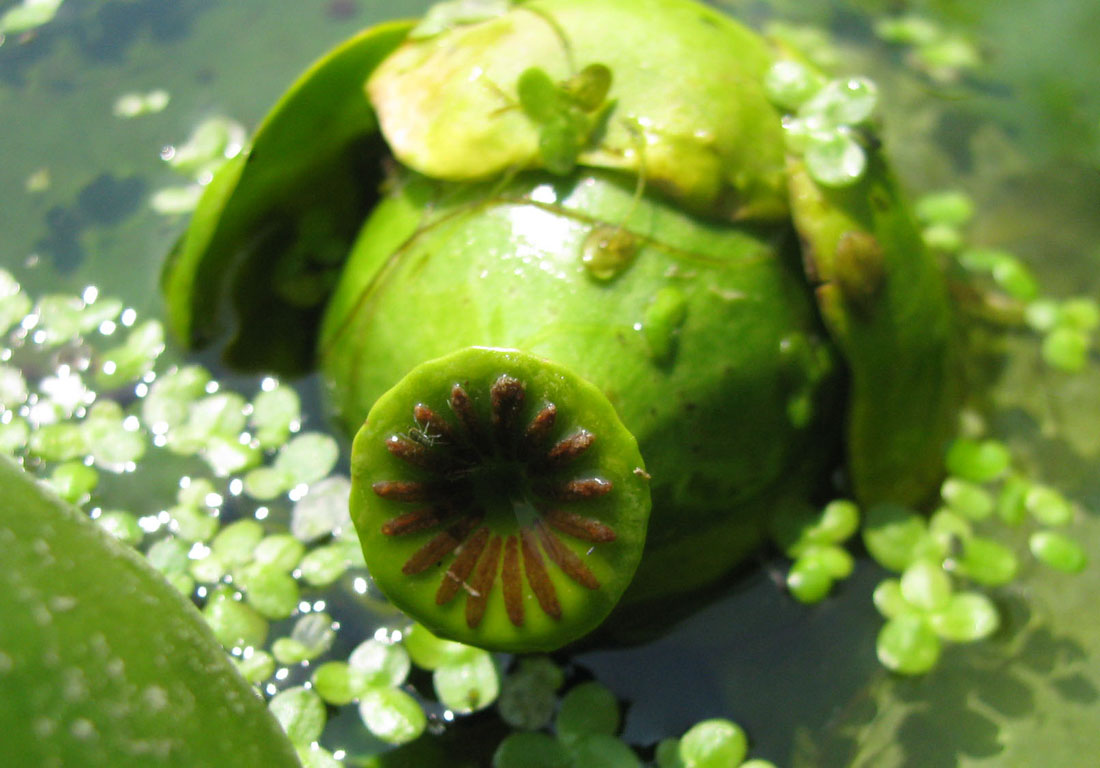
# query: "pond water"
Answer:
x=1007 y=110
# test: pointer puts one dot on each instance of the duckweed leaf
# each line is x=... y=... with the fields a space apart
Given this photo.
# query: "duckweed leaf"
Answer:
x=170 y=396
x=392 y=715
x=281 y=551
x=301 y=713
x=271 y=591
x=14 y=435
x=73 y=481
x=950 y=207
x=966 y=498
x=14 y=303
x=381 y=663
x=1048 y=506
x=265 y=483
x=314 y=631
x=789 y=84
x=987 y=562
x=889 y=600
x=58 y=442
x=966 y=617
x=227 y=456
x=809 y=581
x=603 y=750
x=193 y=523
x=323 y=510
x=713 y=744
x=13 y=387
x=122 y=525
x=1066 y=349
x=235 y=543
x=979 y=461
x=168 y=556
x=835 y=159
x=907 y=645
x=586 y=709
x=531 y=750
x=308 y=457
x=255 y=665
x=134 y=358
x=924 y=585
x=273 y=412
x=527 y=695
x=235 y=624
x=324 y=565
x=1058 y=551
x=842 y=102
x=469 y=684
x=338 y=683
x=894 y=535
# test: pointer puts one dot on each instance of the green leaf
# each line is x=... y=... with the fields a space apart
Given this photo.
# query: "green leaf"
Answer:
x=531 y=750
x=585 y=709
x=907 y=645
x=111 y=619
x=301 y=713
x=469 y=684
x=392 y=715
x=714 y=744
x=284 y=214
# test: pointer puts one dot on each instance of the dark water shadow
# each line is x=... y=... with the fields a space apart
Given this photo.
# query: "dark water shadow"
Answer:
x=965 y=705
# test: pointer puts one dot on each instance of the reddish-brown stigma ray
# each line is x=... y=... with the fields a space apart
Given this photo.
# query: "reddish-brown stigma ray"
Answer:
x=486 y=573
x=463 y=565
x=537 y=576
x=578 y=526
x=443 y=544
x=565 y=558
x=511 y=579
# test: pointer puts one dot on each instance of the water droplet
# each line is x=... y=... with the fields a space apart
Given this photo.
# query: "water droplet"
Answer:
x=608 y=251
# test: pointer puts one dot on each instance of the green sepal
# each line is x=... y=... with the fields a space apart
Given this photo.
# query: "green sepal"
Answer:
x=885 y=302
x=271 y=231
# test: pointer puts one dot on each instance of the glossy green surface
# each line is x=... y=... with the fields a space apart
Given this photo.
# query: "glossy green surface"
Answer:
x=102 y=662
x=504 y=269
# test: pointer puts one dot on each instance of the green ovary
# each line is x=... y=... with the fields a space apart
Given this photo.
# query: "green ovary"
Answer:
x=732 y=321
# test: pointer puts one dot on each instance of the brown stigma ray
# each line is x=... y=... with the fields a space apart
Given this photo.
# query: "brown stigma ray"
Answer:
x=463 y=408
x=571 y=565
x=478 y=597
x=433 y=427
x=578 y=526
x=414 y=522
x=537 y=577
x=415 y=490
x=506 y=398
x=576 y=490
x=539 y=428
x=511 y=581
x=569 y=449
x=443 y=544
x=451 y=450
x=462 y=566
